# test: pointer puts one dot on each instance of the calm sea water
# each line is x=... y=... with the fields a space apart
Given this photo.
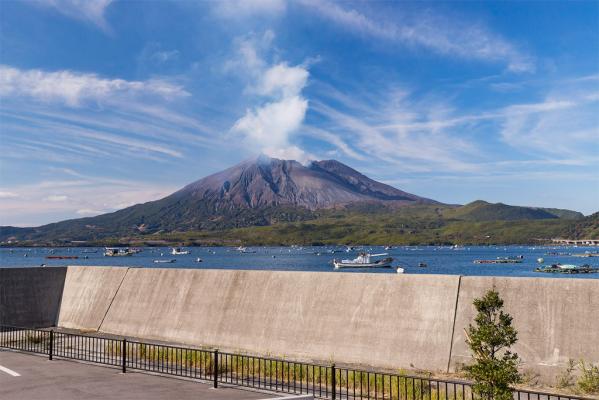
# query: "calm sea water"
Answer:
x=439 y=260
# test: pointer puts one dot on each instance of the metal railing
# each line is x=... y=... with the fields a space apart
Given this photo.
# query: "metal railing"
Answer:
x=273 y=374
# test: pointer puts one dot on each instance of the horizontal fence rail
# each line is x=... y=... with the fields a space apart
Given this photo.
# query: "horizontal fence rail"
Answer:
x=272 y=374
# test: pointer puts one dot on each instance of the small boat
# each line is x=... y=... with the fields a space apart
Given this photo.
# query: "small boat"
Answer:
x=244 y=250
x=172 y=260
x=62 y=257
x=422 y=264
x=89 y=251
x=199 y=260
x=400 y=270
x=179 y=251
x=119 y=251
x=363 y=261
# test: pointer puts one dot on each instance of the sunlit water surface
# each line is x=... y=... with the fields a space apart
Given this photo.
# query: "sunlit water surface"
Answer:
x=439 y=260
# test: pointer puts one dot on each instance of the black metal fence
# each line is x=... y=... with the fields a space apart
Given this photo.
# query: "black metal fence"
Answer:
x=322 y=381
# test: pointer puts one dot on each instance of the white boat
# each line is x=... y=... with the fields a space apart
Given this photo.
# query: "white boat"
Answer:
x=118 y=251
x=179 y=251
x=242 y=249
x=364 y=261
x=172 y=260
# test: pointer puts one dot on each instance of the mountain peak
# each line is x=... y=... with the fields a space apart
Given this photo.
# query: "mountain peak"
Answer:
x=265 y=181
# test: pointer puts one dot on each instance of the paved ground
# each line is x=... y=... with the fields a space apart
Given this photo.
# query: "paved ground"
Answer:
x=67 y=380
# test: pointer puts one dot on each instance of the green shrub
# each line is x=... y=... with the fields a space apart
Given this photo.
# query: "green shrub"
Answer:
x=495 y=367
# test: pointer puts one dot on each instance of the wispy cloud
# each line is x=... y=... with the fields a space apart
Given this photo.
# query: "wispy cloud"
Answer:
x=399 y=128
x=393 y=129
x=165 y=55
x=564 y=124
x=67 y=195
x=74 y=88
x=8 y=195
x=73 y=116
x=440 y=34
x=91 y=11
x=235 y=9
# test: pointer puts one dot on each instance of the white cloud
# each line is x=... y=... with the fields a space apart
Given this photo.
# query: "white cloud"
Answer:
x=165 y=55
x=283 y=81
x=74 y=88
x=84 y=10
x=270 y=125
x=56 y=198
x=289 y=153
x=86 y=212
x=247 y=59
x=8 y=195
x=249 y=8
x=447 y=36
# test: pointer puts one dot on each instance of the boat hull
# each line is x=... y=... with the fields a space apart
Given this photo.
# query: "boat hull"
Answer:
x=339 y=264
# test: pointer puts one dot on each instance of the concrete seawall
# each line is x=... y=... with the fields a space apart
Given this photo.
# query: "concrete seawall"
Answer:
x=556 y=319
x=30 y=296
x=380 y=320
x=87 y=296
x=327 y=316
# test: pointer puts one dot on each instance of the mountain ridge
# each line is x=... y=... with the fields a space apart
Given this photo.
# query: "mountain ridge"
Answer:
x=267 y=191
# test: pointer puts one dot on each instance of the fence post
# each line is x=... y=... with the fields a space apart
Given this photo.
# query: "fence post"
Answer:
x=333 y=382
x=51 y=352
x=124 y=355
x=215 y=369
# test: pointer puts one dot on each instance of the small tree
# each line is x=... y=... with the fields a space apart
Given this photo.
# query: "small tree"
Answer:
x=495 y=368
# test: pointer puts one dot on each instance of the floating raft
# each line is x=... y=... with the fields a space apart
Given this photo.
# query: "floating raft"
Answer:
x=568 y=269
x=500 y=261
x=62 y=257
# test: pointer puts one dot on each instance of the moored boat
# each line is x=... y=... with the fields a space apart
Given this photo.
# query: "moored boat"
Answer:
x=119 y=251
x=179 y=251
x=364 y=261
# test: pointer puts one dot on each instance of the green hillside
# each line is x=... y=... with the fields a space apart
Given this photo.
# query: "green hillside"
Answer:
x=360 y=224
x=482 y=211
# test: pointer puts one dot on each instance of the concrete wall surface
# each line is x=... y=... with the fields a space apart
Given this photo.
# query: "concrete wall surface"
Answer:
x=374 y=319
x=380 y=320
x=556 y=319
x=30 y=297
x=88 y=293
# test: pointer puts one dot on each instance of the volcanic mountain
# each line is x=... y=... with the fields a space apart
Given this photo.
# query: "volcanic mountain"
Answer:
x=260 y=191
x=267 y=182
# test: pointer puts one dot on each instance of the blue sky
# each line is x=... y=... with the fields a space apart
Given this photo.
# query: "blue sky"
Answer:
x=104 y=104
